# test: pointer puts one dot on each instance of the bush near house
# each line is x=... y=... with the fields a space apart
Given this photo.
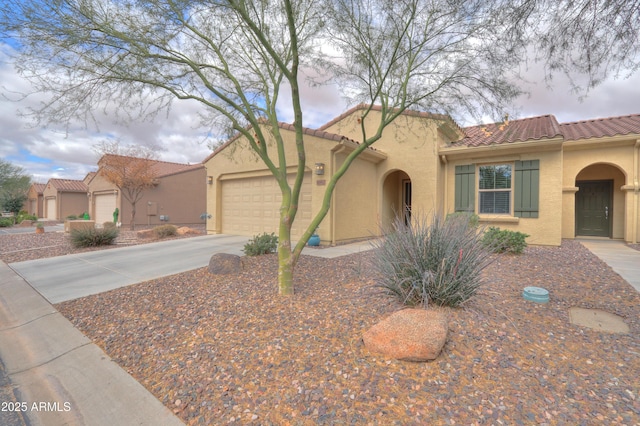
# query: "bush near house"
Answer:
x=504 y=241
x=433 y=261
x=6 y=222
x=164 y=231
x=92 y=237
x=261 y=244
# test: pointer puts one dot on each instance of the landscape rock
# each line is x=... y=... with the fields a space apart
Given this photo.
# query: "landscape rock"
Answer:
x=223 y=264
x=409 y=335
x=185 y=230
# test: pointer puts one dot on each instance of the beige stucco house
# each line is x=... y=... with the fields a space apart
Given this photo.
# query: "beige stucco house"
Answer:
x=547 y=179
x=64 y=197
x=177 y=197
x=35 y=199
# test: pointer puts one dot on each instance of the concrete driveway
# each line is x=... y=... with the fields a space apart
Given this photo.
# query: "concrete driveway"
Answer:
x=69 y=277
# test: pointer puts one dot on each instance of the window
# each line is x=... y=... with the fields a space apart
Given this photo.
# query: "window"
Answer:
x=496 y=184
x=495 y=189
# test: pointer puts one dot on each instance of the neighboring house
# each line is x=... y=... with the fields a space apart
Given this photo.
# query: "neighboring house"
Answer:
x=64 y=197
x=534 y=175
x=177 y=197
x=34 y=199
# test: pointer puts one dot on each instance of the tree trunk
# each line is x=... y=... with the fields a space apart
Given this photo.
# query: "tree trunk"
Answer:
x=132 y=224
x=285 y=259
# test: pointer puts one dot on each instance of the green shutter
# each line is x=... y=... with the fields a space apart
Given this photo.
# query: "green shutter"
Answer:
x=465 y=188
x=527 y=188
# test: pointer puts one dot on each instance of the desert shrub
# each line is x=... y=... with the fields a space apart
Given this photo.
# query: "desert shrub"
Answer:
x=72 y=217
x=261 y=244
x=163 y=231
x=472 y=218
x=6 y=222
x=92 y=237
x=432 y=261
x=504 y=241
x=25 y=216
x=109 y=225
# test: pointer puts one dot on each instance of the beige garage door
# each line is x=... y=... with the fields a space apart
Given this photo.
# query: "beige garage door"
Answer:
x=105 y=204
x=251 y=206
x=51 y=208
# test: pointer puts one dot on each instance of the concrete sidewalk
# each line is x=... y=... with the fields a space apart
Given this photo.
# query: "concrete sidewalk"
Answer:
x=59 y=376
x=621 y=258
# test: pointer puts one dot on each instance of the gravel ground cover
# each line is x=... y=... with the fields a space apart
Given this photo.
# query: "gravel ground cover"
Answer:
x=229 y=350
x=31 y=246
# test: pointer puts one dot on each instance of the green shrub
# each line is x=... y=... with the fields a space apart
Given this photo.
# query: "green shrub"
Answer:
x=72 y=217
x=430 y=262
x=163 y=231
x=504 y=241
x=261 y=244
x=92 y=237
x=25 y=216
x=6 y=222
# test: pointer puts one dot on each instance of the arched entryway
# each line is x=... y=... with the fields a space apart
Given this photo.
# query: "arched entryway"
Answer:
x=599 y=202
x=396 y=197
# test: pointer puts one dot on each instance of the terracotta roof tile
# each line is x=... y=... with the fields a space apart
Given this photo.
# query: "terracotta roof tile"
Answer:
x=601 y=127
x=39 y=187
x=534 y=128
x=68 y=185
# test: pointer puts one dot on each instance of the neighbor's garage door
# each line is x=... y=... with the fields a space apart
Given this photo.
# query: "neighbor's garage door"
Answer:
x=51 y=209
x=105 y=204
x=251 y=206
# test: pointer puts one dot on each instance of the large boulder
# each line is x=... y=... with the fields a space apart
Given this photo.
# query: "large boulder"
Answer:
x=223 y=264
x=409 y=335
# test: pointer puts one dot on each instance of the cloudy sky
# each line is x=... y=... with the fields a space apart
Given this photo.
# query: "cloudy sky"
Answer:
x=51 y=152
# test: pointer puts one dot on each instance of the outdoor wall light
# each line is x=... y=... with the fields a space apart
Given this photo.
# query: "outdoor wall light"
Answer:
x=319 y=168
x=210 y=180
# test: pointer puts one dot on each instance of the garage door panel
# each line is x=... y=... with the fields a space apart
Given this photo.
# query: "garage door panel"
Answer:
x=104 y=205
x=252 y=206
x=51 y=209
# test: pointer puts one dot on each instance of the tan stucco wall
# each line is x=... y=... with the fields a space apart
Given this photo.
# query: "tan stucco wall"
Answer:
x=359 y=201
x=355 y=201
x=411 y=144
x=546 y=228
x=67 y=203
x=33 y=196
x=237 y=160
x=180 y=196
x=614 y=159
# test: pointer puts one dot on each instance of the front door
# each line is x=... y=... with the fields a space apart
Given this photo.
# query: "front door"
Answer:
x=406 y=201
x=594 y=208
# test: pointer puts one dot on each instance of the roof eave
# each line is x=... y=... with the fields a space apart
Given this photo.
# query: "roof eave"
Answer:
x=552 y=144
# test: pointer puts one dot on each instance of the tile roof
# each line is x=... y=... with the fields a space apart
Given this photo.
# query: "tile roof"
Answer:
x=534 y=128
x=601 y=127
x=161 y=168
x=39 y=187
x=68 y=185
x=545 y=127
